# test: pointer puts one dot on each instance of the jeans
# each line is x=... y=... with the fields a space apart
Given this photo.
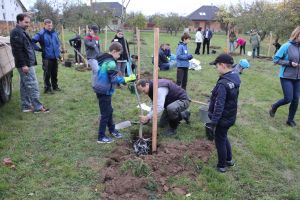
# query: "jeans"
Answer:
x=223 y=146
x=257 y=52
x=164 y=66
x=182 y=76
x=291 y=92
x=50 y=67
x=231 y=47
x=29 y=90
x=106 y=112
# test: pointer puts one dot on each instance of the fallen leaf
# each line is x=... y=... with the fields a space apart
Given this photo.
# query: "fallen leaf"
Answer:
x=7 y=162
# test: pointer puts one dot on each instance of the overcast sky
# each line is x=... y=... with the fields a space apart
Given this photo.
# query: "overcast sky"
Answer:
x=150 y=7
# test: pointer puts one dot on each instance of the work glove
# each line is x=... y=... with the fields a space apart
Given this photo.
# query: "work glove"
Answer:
x=210 y=130
x=130 y=78
x=190 y=57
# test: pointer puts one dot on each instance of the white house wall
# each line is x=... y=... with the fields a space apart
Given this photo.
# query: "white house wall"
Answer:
x=9 y=9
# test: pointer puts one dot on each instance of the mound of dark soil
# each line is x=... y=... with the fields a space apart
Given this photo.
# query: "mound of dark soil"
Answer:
x=172 y=159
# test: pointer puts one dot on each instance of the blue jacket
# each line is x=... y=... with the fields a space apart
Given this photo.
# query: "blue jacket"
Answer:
x=105 y=76
x=223 y=101
x=182 y=55
x=49 y=42
x=288 y=53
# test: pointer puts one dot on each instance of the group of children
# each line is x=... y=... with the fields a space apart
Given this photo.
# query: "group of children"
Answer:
x=223 y=102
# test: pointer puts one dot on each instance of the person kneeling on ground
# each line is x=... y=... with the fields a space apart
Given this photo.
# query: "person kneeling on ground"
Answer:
x=163 y=61
x=172 y=102
x=223 y=109
x=104 y=78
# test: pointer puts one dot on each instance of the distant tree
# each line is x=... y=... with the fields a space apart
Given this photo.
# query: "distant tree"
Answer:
x=136 y=20
x=226 y=18
x=44 y=10
x=173 y=23
x=157 y=19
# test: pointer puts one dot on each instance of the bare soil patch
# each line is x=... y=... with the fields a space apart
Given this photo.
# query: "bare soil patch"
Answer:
x=148 y=175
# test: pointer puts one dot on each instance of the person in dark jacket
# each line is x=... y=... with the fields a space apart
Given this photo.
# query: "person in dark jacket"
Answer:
x=222 y=109
x=50 y=48
x=172 y=103
x=25 y=60
x=163 y=61
x=207 y=35
x=104 y=79
x=124 y=58
x=288 y=56
x=182 y=60
x=76 y=44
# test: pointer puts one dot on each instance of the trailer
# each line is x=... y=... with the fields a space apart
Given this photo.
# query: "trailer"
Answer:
x=7 y=65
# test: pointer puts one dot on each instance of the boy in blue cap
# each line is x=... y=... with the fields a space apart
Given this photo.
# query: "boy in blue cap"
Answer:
x=222 y=109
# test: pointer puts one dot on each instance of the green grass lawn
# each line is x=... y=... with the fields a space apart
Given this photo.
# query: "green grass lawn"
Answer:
x=57 y=157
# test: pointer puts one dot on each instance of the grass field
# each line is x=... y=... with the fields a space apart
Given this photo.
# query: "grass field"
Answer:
x=57 y=157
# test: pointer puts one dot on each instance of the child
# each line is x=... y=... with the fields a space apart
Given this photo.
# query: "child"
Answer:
x=104 y=78
x=223 y=109
x=239 y=68
x=182 y=60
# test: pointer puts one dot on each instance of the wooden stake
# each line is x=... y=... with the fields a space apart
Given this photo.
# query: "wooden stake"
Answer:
x=138 y=53
x=79 y=30
x=155 y=86
x=63 y=41
x=271 y=38
x=105 y=41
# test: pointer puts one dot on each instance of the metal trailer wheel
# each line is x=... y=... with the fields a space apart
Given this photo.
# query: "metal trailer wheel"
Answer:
x=5 y=88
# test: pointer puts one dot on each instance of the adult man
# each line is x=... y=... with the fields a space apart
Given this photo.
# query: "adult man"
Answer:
x=25 y=61
x=172 y=102
x=207 y=36
x=50 y=48
x=92 y=46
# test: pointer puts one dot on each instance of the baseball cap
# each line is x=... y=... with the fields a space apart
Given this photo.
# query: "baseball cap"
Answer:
x=223 y=58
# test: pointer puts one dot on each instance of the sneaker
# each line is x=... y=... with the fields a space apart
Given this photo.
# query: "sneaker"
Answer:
x=272 y=112
x=105 y=139
x=76 y=64
x=27 y=110
x=230 y=163
x=42 y=110
x=169 y=132
x=186 y=116
x=116 y=134
x=221 y=169
x=291 y=123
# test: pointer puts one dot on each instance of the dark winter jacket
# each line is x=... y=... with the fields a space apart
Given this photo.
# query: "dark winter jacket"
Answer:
x=125 y=54
x=75 y=42
x=182 y=55
x=223 y=101
x=22 y=48
x=49 y=42
x=105 y=75
x=288 y=53
x=162 y=57
x=92 y=46
x=210 y=34
x=175 y=92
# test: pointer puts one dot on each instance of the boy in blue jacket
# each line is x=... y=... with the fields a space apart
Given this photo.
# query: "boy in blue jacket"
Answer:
x=223 y=109
x=182 y=60
x=104 y=79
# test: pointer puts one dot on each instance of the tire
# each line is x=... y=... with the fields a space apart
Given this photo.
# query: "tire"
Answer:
x=5 y=88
